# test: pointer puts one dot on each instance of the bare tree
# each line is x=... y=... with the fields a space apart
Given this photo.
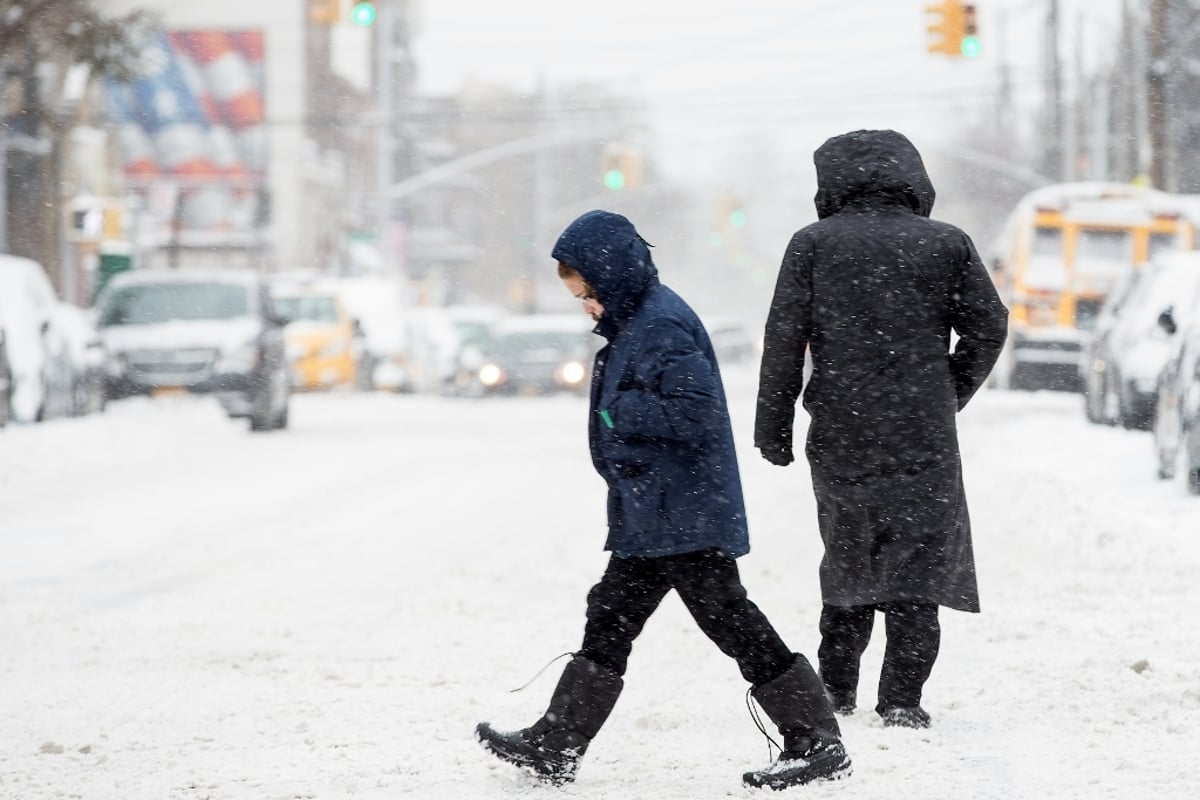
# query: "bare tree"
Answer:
x=49 y=50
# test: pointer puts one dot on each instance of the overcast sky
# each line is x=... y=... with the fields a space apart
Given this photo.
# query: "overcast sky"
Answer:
x=716 y=72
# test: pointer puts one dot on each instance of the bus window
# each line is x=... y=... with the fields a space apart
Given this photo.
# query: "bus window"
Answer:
x=1045 y=268
x=1162 y=241
x=1103 y=256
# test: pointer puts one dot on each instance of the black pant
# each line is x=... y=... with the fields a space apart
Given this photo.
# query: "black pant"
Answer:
x=711 y=589
x=913 y=639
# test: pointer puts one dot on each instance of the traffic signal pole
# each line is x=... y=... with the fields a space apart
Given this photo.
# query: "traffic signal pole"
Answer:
x=384 y=145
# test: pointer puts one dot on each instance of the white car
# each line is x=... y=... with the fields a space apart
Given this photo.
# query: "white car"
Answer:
x=1136 y=348
x=36 y=347
x=198 y=331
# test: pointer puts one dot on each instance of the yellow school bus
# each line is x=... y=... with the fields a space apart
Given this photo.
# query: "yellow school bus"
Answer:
x=1062 y=250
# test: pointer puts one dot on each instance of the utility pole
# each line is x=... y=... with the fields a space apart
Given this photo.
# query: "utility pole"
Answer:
x=1156 y=80
x=1056 y=153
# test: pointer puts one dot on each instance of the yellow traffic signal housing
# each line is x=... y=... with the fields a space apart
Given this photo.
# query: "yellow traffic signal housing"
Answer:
x=325 y=12
x=948 y=28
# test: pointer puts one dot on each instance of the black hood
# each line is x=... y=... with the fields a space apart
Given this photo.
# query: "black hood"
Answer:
x=613 y=258
x=869 y=168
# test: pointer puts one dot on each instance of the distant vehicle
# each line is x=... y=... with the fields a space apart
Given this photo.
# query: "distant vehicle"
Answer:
x=538 y=354
x=1063 y=249
x=204 y=332
x=446 y=344
x=474 y=328
x=731 y=340
x=323 y=341
x=380 y=311
x=1177 y=412
x=1134 y=350
x=35 y=345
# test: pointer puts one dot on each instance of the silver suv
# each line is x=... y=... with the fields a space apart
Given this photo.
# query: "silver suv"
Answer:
x=206 y=332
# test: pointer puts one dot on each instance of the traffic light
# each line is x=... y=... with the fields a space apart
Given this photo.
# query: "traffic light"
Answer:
x=953 y=29
x=622 y=167
x=325 y=12
x=970 y=46
x=364 y=14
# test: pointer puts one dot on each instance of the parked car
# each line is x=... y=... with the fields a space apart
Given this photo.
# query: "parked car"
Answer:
x=1137 y=347
x=5 y=381
x=205 y=332
x=1177 y=412
x=323 y=341
x=35 y=345
x=1096 y=373
x=86 y=351
x=538 y=354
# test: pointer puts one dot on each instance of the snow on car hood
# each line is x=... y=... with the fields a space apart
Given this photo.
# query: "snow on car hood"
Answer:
x=228 y=334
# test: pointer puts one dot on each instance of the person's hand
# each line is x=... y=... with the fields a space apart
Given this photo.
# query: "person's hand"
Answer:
x=778 y=454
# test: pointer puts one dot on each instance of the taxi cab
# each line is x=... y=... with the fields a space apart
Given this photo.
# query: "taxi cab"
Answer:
x=321 y=337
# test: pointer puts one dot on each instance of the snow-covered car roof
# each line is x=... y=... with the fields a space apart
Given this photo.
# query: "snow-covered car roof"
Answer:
x=240 y=276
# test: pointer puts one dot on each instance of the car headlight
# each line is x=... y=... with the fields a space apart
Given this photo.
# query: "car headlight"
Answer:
x=491 y=375
x=572 y=373
x=295 y=351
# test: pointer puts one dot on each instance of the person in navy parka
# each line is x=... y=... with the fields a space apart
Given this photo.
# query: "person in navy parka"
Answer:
x=661 y=438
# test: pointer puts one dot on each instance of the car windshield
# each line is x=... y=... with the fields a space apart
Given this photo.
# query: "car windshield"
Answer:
x=538 y=342
x=313 y=308
x=166 y=302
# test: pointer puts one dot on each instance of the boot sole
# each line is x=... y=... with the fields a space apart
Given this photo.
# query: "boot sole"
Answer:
x=537 y=769
x=778 y=782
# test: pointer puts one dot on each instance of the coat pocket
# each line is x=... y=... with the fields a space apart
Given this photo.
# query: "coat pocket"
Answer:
x=642 y=500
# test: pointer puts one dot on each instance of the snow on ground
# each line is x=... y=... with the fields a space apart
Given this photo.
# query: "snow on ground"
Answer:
x=188 y=610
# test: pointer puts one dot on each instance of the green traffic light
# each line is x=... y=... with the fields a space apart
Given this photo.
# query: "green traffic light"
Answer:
x=614 y=179
x=737 y=218
x=363 y=14
x=971 y=48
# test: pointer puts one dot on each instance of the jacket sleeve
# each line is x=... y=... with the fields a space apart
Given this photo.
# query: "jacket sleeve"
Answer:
x=676 y=395
x=980 y=319
x=788 y=330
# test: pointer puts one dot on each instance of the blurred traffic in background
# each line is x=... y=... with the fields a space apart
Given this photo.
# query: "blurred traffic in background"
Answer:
x=249 y=201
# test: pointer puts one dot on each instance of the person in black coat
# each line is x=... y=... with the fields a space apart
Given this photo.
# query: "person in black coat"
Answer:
x=661 y=438
x=873 y=294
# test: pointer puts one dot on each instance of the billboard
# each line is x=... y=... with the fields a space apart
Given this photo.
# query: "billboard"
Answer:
x=192 y=138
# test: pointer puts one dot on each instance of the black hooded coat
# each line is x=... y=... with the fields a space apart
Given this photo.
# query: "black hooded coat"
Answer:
x=873 y=291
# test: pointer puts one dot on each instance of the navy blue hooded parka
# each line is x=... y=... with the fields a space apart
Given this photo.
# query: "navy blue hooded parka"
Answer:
x=659 y=427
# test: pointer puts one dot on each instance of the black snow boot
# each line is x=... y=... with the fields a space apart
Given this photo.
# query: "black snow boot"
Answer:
x=812 y=746
x=552 y=747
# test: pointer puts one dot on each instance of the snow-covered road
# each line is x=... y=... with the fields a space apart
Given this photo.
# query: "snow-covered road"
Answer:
x=188 y=610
